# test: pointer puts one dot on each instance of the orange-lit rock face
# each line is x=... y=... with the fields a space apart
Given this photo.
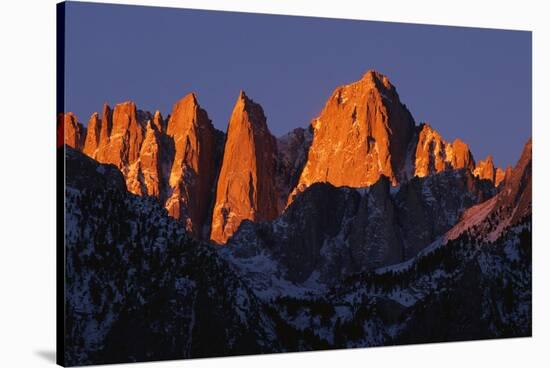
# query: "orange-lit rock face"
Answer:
x=499 y=176
x=158 y=122
x=434 y=155
x=124 y=141
x=362 y=133
x=173 y=162
x=144 y=175
x=74 y=131
x=92 y=137
x=246 y=185
x=106 y=126
x=485 y=169
x=192 y=172
x=461 y=156
x=431 y=152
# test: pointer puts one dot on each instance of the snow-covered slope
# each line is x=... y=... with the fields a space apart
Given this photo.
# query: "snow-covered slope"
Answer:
x=139 y=288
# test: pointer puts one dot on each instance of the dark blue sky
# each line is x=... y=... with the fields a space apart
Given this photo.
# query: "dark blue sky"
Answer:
x=468 y=83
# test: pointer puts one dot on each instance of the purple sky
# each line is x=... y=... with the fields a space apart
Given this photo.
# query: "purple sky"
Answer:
x=468 y=83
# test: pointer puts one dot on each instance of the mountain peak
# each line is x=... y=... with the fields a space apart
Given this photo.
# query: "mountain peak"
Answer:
x=70 y=116
x=242 y=95
x=186 y=113
x=245 y=101
x=192 y=173
x=74 y=133
x=254 y=112
x=434 y=154
x=129 y=107
x=173 y=161
x=193 y=97
x=377 y=80
x=158 y=122
x=485 y=169
x=246 y=185
x=93 y=135
x=363 y=132
x=373 y=75
x=428 y=129
x=528 y=148
x=189 y=100
x=459 y=142
x=105 y=108
x=120 y=143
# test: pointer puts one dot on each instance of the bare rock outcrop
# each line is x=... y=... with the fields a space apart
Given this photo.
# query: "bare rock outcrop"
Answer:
x=246 y=187
x=192 y=172
x=362 y=133
x=433 y=154
x=485 y=169
x=74 y=132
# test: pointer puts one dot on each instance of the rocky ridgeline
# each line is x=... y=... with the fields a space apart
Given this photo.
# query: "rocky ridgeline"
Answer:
x=212 y=181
